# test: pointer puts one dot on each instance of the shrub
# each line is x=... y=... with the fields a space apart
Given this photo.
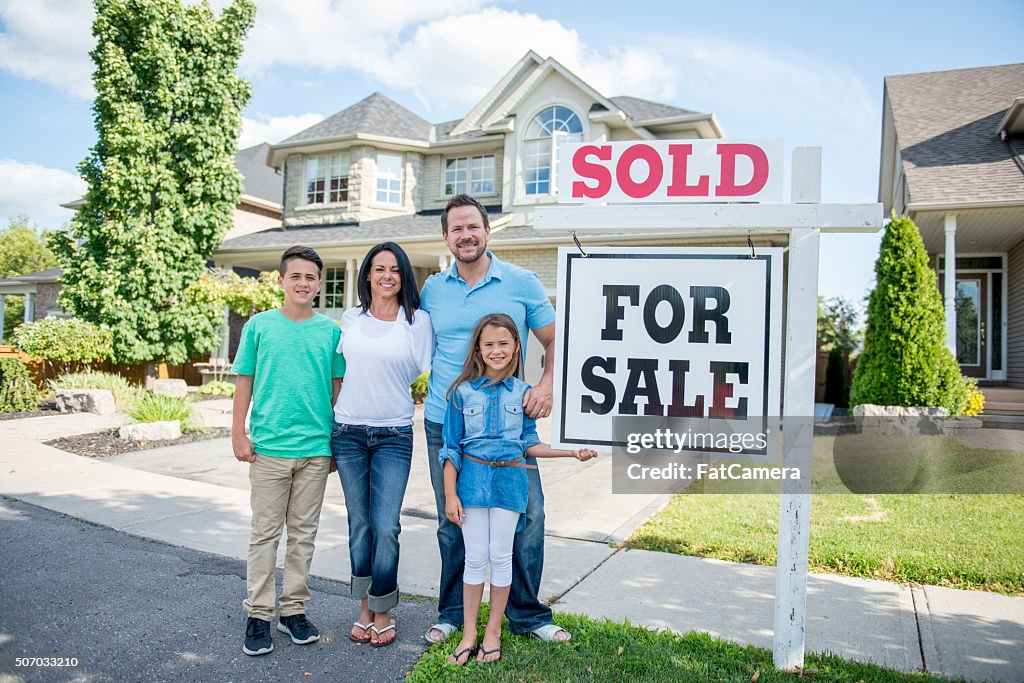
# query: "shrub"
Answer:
x=157 y=408
x=217 y=388
x=125 y=395
x=905 y=360
x=17 y=391
x=62 y=341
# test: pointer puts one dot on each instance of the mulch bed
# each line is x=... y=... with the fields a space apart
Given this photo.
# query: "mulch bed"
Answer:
x=107 y=443
x=46 y=409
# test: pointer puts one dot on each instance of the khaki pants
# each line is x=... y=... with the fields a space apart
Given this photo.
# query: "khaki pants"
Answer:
x=283 y=490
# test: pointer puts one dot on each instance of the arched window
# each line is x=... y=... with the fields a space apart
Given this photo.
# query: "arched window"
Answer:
x=550 y=128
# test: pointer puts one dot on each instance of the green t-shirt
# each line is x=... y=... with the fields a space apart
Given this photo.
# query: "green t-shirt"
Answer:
x=292 y=365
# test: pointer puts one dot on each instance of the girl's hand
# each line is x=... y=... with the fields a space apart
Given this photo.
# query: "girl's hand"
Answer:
x=584 y=454
x=453 y=510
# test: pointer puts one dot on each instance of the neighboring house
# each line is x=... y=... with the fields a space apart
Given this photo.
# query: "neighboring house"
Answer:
x=953 y=160
x=376 y=171
x=259 y=208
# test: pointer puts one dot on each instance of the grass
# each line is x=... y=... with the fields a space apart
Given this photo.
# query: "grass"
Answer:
x=125 y=395
x=970 y=541
x=156 y=408
x=619 y=652
x=217 y=388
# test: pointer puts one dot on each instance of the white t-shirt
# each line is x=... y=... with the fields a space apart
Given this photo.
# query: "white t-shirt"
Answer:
x=382 y=358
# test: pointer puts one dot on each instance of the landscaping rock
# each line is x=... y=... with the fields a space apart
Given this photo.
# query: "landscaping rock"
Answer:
x=99 y=401
x=900 y=420
x=170 y=387
x=151 y=431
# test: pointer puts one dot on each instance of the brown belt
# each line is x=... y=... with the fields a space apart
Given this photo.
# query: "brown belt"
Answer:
x=518 y=462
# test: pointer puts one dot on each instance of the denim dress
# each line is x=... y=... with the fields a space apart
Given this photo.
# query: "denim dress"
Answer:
x=486 y=421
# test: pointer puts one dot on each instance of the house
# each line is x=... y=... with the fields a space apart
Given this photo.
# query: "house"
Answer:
x=952 y=159
x=259 y=208
x=377 y=171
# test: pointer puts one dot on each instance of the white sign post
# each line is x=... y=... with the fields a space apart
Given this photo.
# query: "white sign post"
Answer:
x=662 y=183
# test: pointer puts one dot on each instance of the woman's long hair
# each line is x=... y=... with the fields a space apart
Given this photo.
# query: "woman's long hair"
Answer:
x=408 y=295
x=474 y=366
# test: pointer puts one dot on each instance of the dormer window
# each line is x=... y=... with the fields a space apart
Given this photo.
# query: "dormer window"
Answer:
x=327 y=179
x=548 y=129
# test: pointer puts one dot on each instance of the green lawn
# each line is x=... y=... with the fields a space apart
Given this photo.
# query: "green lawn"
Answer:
x=607 y=651
x=960 y=540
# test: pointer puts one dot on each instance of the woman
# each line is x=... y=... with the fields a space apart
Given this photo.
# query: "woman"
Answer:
x=387 y=343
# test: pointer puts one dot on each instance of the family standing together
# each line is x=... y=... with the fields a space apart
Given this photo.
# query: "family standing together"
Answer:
x=468 y=328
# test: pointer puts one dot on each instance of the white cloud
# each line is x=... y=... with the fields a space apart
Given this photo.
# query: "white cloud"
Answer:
x=49 y=41
x=37 y=192
x=333 y=34
x=456 y=59
x=274 y=129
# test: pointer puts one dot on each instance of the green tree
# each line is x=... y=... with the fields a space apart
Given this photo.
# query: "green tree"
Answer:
x=162 y=182
x=905 y=361
x=22 y=250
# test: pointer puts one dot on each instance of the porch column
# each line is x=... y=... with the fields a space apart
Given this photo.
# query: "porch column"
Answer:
x=30 y=306
x=225 y=340
x=351 y=273
x=949 y=288
x=3 y=302
x=442 y=261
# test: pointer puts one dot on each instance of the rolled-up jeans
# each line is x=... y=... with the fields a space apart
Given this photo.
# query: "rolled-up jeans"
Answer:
x=525 y=611
x=373 y=465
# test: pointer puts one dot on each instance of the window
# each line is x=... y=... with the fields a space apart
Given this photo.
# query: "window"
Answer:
x=332 y=289
x=473 y=175
x=327 y=179
x=549 y=129
x=389 y=178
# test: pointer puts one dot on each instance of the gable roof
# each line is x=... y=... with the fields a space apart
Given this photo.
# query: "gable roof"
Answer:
x=374 y=115
x=947 y=126
x=258 y=179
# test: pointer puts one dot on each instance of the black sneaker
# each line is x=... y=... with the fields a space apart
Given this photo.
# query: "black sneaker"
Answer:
x=257 y=637
x=299 y=628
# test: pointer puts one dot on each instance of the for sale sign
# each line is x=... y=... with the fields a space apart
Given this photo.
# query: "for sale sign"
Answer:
x=671 y=171
x=680 y=332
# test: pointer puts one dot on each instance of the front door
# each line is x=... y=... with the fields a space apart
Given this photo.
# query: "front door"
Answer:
x=972 y=323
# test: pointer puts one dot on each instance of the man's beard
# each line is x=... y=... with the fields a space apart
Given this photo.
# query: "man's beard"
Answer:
x=481 y=250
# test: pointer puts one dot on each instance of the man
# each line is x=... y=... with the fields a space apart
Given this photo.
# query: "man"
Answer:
x=479 y=283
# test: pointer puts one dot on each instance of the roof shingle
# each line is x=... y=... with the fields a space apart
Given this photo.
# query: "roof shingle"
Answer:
x=946 y=125
x=375 y=115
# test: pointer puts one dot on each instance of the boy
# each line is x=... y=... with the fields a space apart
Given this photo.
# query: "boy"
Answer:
x=287 y=365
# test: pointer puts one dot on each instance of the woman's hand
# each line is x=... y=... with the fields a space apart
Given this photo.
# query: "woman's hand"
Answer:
x=584 y=454
x=453 y=510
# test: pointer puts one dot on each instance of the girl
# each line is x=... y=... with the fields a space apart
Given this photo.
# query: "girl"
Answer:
x=387 y=342
x=487 y=439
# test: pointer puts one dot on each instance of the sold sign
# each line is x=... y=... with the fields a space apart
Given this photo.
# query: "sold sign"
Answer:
x=671 y=171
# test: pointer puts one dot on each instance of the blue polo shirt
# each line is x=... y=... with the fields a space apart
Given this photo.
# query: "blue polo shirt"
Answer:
x=455 y=308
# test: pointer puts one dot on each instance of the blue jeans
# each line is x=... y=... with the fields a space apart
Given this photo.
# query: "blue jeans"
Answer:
x=525 y=611
x=373 y=465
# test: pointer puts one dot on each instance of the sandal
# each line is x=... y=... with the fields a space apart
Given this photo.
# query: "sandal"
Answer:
x=547 y=633
x=381 y=631
x=484 y=652
x=472 y=650
x=445 y=629
x=362 y=627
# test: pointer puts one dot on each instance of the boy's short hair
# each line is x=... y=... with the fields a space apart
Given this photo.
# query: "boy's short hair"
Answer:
x=463 y=200
x=305 y=253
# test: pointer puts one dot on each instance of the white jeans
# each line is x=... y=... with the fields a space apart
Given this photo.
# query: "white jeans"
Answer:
x=488 y=534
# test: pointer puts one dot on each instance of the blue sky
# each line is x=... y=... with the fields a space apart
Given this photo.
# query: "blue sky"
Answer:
x=808 y=73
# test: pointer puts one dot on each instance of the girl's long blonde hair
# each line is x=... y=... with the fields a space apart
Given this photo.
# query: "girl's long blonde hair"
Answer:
x=474 y=366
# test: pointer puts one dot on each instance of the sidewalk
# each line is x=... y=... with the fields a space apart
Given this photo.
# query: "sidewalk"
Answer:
x=196 y=496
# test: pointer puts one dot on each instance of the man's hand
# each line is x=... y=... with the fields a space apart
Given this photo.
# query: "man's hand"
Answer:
x=537 y=400
x=585 y=454
x=453 y=510
x=242 y=447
